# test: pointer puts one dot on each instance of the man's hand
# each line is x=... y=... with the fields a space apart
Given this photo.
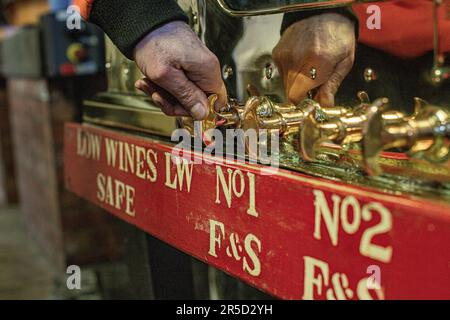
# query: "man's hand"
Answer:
x=180 y=71
x=325 y=42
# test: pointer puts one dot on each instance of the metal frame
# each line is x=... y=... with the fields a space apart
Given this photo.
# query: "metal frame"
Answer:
x=282 y=9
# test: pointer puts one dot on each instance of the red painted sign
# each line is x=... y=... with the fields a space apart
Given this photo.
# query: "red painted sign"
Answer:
x=291 y=235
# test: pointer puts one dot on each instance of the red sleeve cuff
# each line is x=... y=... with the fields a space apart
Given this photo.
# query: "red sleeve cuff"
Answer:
x=85 y=7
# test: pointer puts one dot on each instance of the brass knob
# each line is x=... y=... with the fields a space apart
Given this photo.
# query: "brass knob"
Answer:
x=250 y=126
x=424 y=134
x=203 y=128
x=316 y=131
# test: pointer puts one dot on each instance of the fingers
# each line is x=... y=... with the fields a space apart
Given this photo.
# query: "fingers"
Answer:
x=282 y=58
x=168 y=104
x=300 y=85
x=168 y=108
x=329 y=89
x=144 y=86
x=191 y=97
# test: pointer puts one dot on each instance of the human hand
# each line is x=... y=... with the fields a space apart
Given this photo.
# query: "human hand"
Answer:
x=180 y=71
x=326 y=43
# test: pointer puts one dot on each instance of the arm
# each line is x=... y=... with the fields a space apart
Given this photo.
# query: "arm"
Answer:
x=126 y=22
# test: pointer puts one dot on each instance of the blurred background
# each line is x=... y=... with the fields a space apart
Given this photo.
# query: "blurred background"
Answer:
x=50 y=62
x=46 y=71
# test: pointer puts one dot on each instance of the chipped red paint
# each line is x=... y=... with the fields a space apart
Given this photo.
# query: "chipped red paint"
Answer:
x=273 y=244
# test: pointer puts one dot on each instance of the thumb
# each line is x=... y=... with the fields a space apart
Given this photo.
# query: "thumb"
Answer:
x=222 y=97
x=206 y=74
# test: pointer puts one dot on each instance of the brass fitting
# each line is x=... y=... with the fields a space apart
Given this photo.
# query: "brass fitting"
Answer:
x=426 y=135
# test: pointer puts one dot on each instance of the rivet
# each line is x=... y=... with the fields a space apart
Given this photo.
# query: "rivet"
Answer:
x=370 y=75
x=268 y=71
x=227 y=72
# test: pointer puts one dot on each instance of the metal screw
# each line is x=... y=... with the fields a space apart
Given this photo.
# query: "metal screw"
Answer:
x=370 y=75
x=194 y=18
x=268 y=71
x=313 y=73
x=227 y=72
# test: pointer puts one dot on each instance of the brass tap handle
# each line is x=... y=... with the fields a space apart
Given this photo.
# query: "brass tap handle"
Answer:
x=373 y=142
x=426 y=134
x=311 y=135
x=286 y=118
x=339 y=131
x=201 y=128
x=262 y=113
x=229 y=117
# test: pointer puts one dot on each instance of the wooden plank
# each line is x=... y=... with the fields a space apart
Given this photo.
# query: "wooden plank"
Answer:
x=288 y=234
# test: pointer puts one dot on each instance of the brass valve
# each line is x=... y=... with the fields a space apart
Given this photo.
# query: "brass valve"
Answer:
x=370 y=125
x=351 y=128
x=262 y=113
x=230 y=117
x=426 y=134
x=286 y=118
x=259 y=112
x=389 y=116
x=339 y=130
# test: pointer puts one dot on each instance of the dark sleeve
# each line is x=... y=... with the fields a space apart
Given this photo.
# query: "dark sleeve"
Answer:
x=126 y=22
x=292 y=17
